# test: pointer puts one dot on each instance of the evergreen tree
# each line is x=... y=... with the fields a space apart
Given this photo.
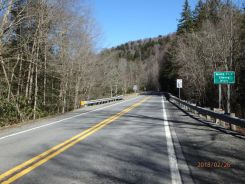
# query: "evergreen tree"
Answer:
x=241 y=72
x=199 y=15
x=213 y=7
x=186 y=21
x=243 y=29
x=168 y=70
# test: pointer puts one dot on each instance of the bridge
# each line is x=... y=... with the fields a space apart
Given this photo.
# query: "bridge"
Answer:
x=149 y=138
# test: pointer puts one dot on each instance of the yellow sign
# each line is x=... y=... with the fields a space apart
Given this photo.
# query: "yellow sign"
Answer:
x=82 y=103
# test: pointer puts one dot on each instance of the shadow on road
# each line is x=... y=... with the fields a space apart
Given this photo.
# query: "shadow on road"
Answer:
x=204 y=142
x=133 y=150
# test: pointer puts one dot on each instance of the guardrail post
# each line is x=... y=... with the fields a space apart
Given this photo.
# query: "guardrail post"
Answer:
x=195 y=112
x=217 y=121
x=203 y=116
x=207 y=116
x=222 y=123
x=185 y=107
x=214 y=119
x=233 y=127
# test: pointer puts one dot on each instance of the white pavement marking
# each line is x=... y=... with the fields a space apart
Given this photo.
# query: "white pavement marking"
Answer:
x=175 y=175
x=55 y=122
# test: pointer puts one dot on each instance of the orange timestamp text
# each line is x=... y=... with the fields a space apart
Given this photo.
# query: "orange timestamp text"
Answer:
x=211 y=164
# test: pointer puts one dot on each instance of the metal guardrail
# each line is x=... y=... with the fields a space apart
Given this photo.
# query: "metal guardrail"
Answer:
x=102 y=101
x=207 y=112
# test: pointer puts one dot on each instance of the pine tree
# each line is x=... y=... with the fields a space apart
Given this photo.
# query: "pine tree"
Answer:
x=199 y=15
x=241 y=72
x=243 y=28
x=168 y=70
x=213 y=9
x=186 y=21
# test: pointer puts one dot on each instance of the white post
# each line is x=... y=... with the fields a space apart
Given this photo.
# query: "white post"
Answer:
x=228 y=98
x=220 y=92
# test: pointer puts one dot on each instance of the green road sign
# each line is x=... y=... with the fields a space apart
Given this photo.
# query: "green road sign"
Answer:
x=224 y=77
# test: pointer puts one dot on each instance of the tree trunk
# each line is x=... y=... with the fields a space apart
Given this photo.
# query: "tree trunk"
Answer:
x=20 y=78
x=64 y=98
x=76 y=94
x=45 y=76
x=35 y=94
x=31 y=83
x=111 y=90
x=12 y=75
x=6 y=79
x=28 y=80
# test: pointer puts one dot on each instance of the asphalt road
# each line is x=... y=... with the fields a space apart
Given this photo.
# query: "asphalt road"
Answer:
x=142 y=140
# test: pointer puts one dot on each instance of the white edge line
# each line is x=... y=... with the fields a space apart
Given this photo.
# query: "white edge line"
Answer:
x=175 y=175
x=55 y=122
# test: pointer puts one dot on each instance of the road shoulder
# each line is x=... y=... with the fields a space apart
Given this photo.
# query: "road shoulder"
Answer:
x=204 y=145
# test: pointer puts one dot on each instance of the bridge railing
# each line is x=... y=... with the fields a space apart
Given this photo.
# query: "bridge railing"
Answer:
x=209 y=114
x=101 y=101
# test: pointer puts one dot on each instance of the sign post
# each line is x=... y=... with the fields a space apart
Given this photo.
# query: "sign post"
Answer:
x=220 y=93
x=179 y=85
x=227 y=77
x=135 y=88
x=228 y=98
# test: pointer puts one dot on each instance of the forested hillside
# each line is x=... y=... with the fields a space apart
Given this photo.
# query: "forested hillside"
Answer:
x=209 y=38
x=140 y=60
x=46 y=56
x=48 y=59
x=49 y=63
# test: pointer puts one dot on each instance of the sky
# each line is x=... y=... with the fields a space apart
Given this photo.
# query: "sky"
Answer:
x=121 y=21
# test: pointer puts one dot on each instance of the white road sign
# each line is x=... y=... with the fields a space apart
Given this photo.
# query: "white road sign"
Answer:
x=179 y=83
x=135 y=88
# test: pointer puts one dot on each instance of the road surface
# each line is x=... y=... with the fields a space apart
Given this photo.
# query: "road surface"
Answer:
x=146 y=139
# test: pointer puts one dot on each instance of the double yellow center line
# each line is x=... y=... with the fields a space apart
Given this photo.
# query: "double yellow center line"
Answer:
x=26 y=167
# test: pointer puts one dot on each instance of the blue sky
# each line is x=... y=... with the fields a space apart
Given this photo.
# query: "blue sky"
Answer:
x=124 y=20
